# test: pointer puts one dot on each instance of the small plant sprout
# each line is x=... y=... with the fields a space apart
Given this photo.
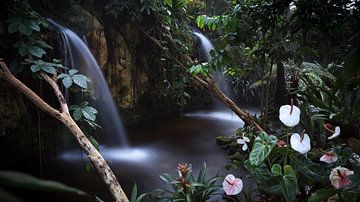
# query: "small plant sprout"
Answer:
x=338 y=177
x=281 y=143
x=300 y=143
x=243 y=141
x=335 y=133
x=329 y=156
x=289 y=115
x=232 y=185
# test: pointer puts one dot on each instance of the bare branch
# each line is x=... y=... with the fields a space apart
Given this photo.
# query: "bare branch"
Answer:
x=58 y=93
x=94 y=156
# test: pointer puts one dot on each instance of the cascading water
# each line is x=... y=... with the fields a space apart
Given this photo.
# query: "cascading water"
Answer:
x=77 y=55
x=204 y=55
x=222 y=113
x=205 y=47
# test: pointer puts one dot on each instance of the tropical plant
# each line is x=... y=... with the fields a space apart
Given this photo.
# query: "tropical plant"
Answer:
x=18 y=180
x=186 y=187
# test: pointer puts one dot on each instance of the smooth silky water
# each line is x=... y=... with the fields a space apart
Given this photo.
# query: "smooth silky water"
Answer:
x=158 y=145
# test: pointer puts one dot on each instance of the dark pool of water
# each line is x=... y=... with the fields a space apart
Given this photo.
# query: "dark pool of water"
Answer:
x=157 y=146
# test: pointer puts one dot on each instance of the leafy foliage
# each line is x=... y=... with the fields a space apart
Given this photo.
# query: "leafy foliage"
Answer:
x=188 y=187
x=83 y=111
x=73 y=77
x=11 y=179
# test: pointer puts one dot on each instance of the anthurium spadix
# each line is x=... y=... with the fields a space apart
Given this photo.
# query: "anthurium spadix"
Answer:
x=232 y=185
x=289 y=115
x=300 y=143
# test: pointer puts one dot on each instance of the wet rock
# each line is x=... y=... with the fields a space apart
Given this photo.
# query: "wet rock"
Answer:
x=11 y=109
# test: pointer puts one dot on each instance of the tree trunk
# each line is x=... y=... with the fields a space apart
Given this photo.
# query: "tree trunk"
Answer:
x=281 y=93
x=63 y=116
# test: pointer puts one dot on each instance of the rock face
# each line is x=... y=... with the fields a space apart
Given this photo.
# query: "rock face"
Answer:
x=115 y=55
x=11 y=107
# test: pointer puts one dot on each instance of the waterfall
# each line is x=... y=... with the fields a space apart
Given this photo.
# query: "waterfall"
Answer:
x=205 y=46
x=77 y=55
x=204 y=55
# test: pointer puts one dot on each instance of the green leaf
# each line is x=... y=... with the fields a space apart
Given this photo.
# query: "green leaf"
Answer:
x=94 y=142
x=25 y=181
x=167 y=178
x=36 y=51
x=322 y=194
x=73 y=107
x=262 y=147
x=8 y=197
x=134 y=193
x=202 y=173
x=98 y=199
x=168 y=3
x=289 y=186
x=12 y=28
x=48 y=69
x=67 y=81
x=34 y=25
x=92 y=109
x=276 y=170
x=141 y=197
x=73 y=72
x=80 y=80
x=35 y=68
x=23 y=50
x=88 y=167
x=43 y=44
x=24 y=30
x=77 y=114
x=62 y=75
x=88 y=113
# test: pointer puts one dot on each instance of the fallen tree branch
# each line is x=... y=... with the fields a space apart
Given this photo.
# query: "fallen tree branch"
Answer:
x=64 y=117
x=210 y=85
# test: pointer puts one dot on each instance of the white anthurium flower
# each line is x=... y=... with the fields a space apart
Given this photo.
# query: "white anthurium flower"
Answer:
x=232 y=185
x=329 y=156
x=300 y=143
x=243 y=141
x=289 y=115
x=335 y=134
x=338 y=177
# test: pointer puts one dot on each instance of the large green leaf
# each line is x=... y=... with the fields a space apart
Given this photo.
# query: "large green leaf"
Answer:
x=49 y=69
x=77 y=114
x=73 y=72
x=67 y=81
x=80 y=80
x=262 y=147
x=35 y=68
x=288 y=184
x=276 y=170
x=8 y=197
x=88 y=113
x=202 y=174
x=25 y=181
x=36 y=51
x=322 y=194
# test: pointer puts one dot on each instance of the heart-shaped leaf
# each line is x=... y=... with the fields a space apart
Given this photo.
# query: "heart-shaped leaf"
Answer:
x=262 y=147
